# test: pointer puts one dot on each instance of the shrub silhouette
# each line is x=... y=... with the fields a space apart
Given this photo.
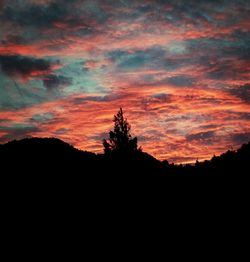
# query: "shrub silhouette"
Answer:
x=120 y=139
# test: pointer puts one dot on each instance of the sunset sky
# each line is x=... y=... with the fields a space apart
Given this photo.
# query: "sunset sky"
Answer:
x=180 y=69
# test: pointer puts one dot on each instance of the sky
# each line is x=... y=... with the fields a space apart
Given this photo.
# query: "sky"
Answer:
x=180 y=69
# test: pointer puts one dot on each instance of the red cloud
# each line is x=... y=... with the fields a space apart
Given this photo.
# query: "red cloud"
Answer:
x=164 y=124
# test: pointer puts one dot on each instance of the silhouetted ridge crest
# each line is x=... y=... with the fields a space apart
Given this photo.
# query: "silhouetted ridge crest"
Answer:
x=54 y=154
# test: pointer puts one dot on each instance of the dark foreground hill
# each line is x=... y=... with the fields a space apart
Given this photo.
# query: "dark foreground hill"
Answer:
x=47 y=174
x=53 y=157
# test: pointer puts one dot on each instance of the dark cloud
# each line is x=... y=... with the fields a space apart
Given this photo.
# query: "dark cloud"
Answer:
x=16 y=95
x=54 y=81
x=84 y=17
x=208 y=126
x=240 y=46
x=222 y=58
x=198 y=13
x=127 y=60
x=242 y=92
x=106 y=98
x=177 y=81
x=162 y=97
x=99 y=136
x=80 y=100
x=244 y=115
x=201 y=136
x=155 y=99
x=1 y=5
x=42 y=117
x=12 y=39
x=181 y=80
x=158 y=58
x=17 y=131
x=62 y=131
x=20 y=66
x=79 y=16
x=33 y=14
x=3 y=120
x=225 y=71
x=241 y=138
x=231 y=115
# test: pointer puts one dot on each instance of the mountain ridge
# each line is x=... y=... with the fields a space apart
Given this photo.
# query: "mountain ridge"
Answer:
x=53 y=151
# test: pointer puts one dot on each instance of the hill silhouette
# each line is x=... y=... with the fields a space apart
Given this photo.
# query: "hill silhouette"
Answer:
x=48 y=168
x=49 y=174
x=53 y=156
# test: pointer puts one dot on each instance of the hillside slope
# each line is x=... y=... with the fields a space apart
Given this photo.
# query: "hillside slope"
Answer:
x=52 y=156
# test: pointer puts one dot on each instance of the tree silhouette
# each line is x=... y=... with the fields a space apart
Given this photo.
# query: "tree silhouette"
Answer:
x=120 y=139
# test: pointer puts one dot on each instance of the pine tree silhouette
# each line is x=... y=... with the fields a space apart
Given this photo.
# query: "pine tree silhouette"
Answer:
x=120 y=139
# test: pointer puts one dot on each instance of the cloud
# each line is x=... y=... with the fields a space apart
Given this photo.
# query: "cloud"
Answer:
x=17 y=131
x=62 y=131
x=75 y=18
x=243 y=92
x=181 y=81
x=161 y=97
x=34 y=14
x=127 y=60
x=101 y=98
x=201 y=136
x=23 y=67
x=180 y=71
x=55 y=81
x=42 y=117
x=241 y=138
x=227 y=70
